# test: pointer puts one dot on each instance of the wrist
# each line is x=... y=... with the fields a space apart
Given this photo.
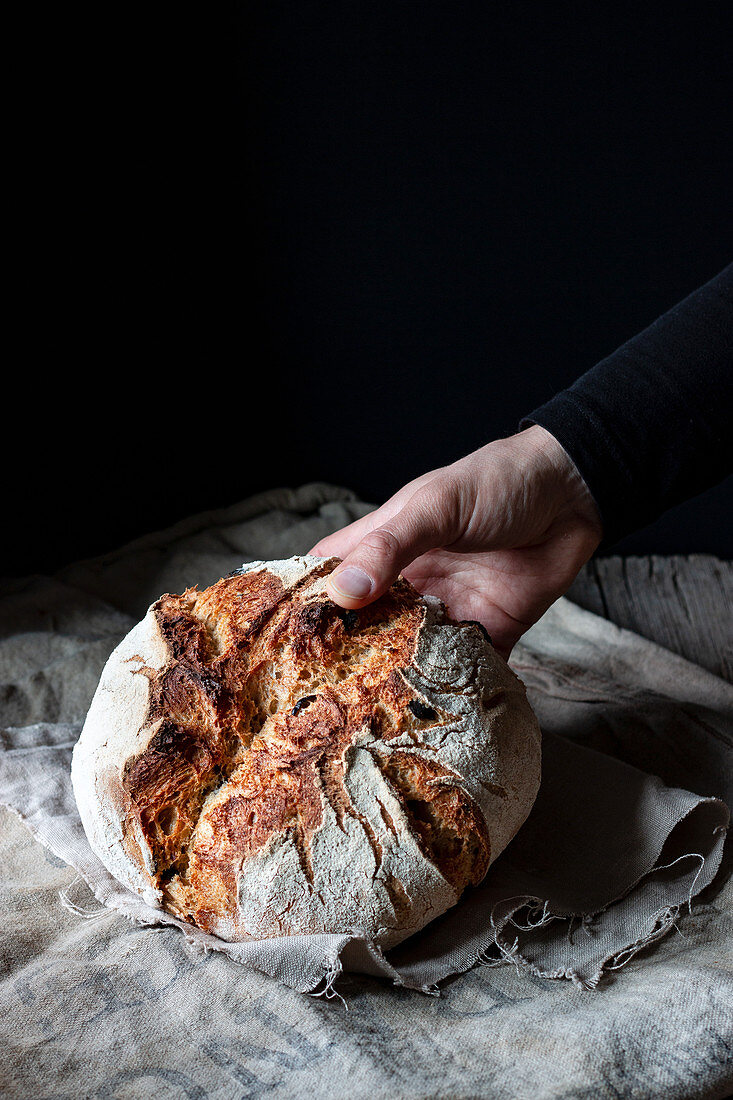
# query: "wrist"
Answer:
x=550 y=463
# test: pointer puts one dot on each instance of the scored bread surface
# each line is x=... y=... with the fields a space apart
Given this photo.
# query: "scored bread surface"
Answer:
x=259 y=762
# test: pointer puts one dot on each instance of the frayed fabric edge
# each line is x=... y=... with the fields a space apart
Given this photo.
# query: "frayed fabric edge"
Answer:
x=79 y=910
x=334 y=970
x=538 y=915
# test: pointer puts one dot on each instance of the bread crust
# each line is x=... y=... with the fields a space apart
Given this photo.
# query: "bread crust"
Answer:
x=259 y=762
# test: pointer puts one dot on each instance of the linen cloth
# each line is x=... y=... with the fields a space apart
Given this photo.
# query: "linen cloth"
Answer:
x=607 y=689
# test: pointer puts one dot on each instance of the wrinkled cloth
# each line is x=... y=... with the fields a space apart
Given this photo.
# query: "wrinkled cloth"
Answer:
x=627 y=831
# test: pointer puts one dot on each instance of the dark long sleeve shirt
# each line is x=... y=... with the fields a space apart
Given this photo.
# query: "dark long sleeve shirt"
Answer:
x=652 y=425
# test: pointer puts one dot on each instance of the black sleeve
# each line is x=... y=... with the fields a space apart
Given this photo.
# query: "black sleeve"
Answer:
x=652 y=425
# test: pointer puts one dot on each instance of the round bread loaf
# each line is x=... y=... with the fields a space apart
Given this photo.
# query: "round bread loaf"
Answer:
x=259 y=762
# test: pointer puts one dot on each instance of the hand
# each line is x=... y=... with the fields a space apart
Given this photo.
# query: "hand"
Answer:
x=498 y=536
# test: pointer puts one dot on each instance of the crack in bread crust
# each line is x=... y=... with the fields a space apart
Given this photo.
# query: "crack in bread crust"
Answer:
x=265 y=690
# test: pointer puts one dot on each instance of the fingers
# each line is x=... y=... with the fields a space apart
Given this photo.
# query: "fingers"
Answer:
x=342 y=542
x=380 y=555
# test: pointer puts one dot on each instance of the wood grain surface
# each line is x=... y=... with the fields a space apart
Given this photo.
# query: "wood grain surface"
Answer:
x=684 y=603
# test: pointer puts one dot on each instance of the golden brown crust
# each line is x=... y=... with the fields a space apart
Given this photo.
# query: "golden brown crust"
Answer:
x=265 y=690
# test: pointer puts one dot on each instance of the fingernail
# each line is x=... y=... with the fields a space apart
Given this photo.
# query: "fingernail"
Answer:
x=352 y=582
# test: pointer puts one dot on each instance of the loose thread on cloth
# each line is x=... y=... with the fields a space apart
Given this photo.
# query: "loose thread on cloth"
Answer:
x=79 y=910
x=585 y=923
x=663 y=921
x=687 y=855
x=538 y=915
x=334 y=969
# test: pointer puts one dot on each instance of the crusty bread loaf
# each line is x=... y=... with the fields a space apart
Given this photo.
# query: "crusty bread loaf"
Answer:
x=260 y=762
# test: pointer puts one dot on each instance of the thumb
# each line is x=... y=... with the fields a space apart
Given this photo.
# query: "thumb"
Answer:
x=381 y=555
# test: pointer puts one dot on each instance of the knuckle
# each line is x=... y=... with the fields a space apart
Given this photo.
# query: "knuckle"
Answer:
x=429 y=499
x=382 y=541
x=438 y=506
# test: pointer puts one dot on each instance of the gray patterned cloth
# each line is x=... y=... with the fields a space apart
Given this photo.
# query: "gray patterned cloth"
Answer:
x=608 y=863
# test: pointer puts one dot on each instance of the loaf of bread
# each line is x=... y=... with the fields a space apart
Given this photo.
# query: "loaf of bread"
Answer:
x=259 y=762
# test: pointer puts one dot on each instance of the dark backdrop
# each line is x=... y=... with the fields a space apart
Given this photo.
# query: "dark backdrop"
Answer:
x=270 y=243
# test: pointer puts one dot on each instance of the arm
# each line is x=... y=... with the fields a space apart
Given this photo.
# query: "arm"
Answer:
x=652 y=425
x=502 y=533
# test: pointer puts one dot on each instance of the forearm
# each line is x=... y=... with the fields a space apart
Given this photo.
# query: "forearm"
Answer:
x=650 y=425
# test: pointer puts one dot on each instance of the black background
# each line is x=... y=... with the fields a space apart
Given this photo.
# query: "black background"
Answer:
x=272 y=243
